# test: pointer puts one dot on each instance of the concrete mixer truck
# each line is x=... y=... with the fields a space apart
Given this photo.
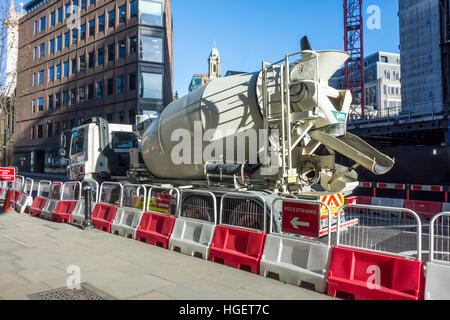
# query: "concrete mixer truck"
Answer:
x=276 y=130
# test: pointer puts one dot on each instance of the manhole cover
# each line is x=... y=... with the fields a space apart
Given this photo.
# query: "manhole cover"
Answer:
x=86 y=292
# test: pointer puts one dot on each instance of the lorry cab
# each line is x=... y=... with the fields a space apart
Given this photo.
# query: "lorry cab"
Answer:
x=98 y=150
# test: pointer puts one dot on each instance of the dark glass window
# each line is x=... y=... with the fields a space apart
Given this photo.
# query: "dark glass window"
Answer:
x=34 y=79
x=60 y=15
x=49 y=129
x=72 y=123
x=91 y=28
x=111 y=18
x=50 y=102
x=133 y=45
x=66 y=39
x=131 y=116
x=110 y=86
x=67 y=10
x=82 y=63
x=41 y=77
x=74 y=66
x=121 y=46
x=92 y=2
x=83 y=32
x=133 y=9
x=58 y=71
x=42 y=50
x=101 y=23
x=43 y=22
x=66 y=68
x=82 y=94
x=120 y=116
x=41 y=104
x=90 y=91
x=52 y=18
x=57 y=128
x=57 y=100
x=132 y=81
x=35 y=53
x=74 y=35
x=83 y=4
x=51 y=74
x=73 y=96
x=65 y=98
x=100 y=56
x=34 y=106
x=91 y=59
x=59 y=43
x=122 y=13
x=35 y=27
x=52 y=46
x=109 y=117
x=120 y=84
x=40 y=131
x=150 y=47
x=32 y=133
x=111 y=53
x=100 y=89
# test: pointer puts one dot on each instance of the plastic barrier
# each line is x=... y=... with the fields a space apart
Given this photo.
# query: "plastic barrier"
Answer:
x=371 y=276
x=240 y=247
x=41 y=199
x=104 y=213
x=156 y=227
x=296 y=260
x=194 y=227
x=437 y=285
x=55 y=197
x=129 y=215
x=425 y=209
x=25 y=200
x=78 y=214
x=71 y=194
x=363 y=269
x=364 y=200
x=18 y=187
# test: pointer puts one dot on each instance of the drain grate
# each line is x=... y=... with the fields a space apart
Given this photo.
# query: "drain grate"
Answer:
x=86 y=292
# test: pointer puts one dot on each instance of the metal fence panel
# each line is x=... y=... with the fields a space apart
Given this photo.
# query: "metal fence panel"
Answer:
x=440 y=238
x=44 y=188
x=111 y=193
x=198 y=205
x=165 y=200
x=71 y=191
x=244 y=211
x=390 y=230
x=56 y=190
x=134 y=196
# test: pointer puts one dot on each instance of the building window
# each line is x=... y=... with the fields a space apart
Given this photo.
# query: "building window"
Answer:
x=42 y=50
x=132 y=81
x=72 y=123
x=74 y=66
x=109 y=117
x=35 y=53
x=111 y=53
x=120 y=84
x=66 y=69
x=151 y=12
x=50 y=102
x=43 y=23
x=122 y=13
x=122 y=48
x=83 y=32
x=64 y=124
x=384 y=59
x=57 y=100
x=100 y=89
x=34 y=79
x=92 y=2
x=82 y=63
x=59 y=15
x=57 y=128
x=52 y=46
x=110 y=86
x=131 y=116
x=52 y=18
x=133 y=9
x=83 y=4
x=59 y=43
x=150 y=48
x=39 y=131
x=120 y=116
x=151 y=85
x=35 y=27
x=91 y=28
x=49 y=129
x=101 y=23
x=65 y=98
x=73 y=96
x=385 y=89
x=51 y=74
x=90 y=91
x=66 y=39
x=58 y=71
x=32 y=133
x=100 y=56
x=133 y=46
x=34 y=106
x=41 y=77
x=74 y=36
x=91 y=60
x=41 y=104
x=111 y=18
x=67 y=10
x=82 y=94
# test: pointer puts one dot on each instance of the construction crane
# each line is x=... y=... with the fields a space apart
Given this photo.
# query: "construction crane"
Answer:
x=354 y=67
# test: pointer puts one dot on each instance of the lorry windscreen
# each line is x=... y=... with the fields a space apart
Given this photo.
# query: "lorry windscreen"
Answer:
x=77 y=142
x=124 y=140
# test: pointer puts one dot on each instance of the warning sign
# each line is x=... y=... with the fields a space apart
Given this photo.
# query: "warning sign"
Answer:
x=7 y=174
x=161 y=203
x=301 y=219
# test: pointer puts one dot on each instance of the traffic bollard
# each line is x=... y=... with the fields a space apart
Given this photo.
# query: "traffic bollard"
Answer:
x=87 y=223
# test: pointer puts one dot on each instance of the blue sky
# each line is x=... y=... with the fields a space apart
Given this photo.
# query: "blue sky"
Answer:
x=250 y=31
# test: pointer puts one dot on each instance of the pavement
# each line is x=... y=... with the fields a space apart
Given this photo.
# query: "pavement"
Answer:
x=36 y=255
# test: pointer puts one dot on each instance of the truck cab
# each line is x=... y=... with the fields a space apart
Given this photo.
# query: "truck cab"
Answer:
x=98 y=150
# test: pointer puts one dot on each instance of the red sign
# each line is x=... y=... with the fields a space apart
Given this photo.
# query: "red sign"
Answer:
x=163 y=201
x=7 y=174
x=300 y=218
